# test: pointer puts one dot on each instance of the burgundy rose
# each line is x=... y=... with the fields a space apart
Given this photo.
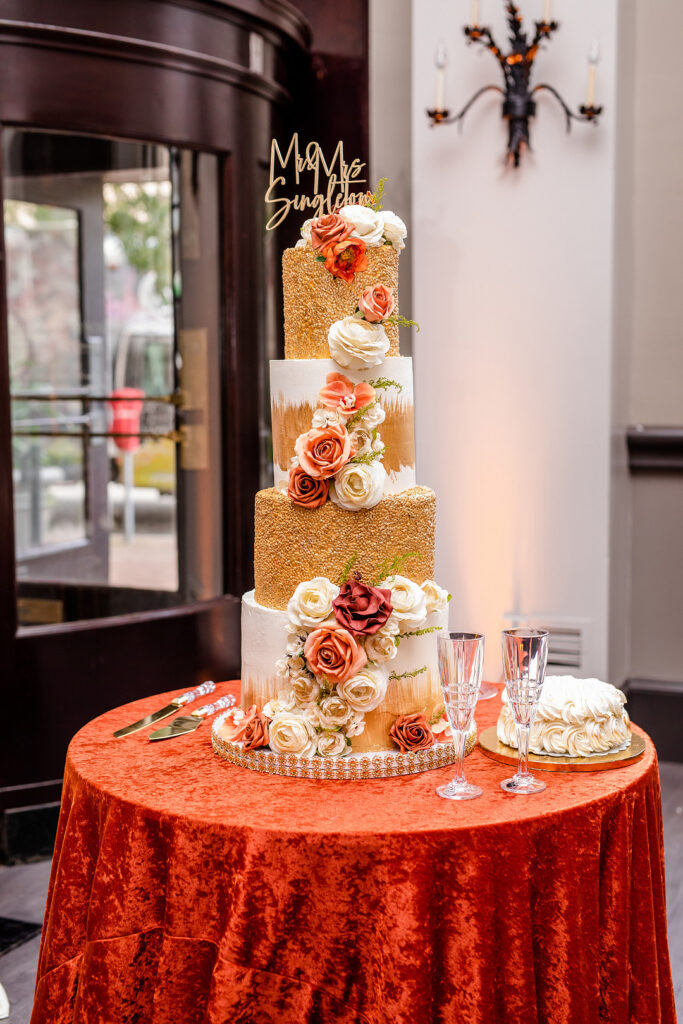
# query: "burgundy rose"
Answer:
x=256 y=732
x=362 y=609
x=412 y=732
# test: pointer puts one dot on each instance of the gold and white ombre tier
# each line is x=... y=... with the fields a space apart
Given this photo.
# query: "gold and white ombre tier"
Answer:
x=294 y=388
x=264 y=637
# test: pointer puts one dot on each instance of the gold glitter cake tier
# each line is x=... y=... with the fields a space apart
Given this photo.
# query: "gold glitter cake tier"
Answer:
x=314 y=299
x=293 y=544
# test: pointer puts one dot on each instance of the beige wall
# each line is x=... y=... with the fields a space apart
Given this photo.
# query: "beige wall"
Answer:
x=656 y=390
x=657 y=363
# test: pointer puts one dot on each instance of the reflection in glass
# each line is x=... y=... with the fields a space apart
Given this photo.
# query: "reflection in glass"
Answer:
x=93 y=299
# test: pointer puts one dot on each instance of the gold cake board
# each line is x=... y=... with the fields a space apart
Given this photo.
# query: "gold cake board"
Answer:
x=497 y=751
x=381 y=764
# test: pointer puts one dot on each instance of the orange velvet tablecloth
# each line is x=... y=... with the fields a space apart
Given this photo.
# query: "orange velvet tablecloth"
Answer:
x=187 y=890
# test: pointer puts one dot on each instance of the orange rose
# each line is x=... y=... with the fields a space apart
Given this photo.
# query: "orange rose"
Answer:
x=256 y=732
x=340 y=394
x=329 y=230
x=376 y=303
x=412 y=732
x=324 y=450
x=332 y=651
x=346 y=259
x=305 y=490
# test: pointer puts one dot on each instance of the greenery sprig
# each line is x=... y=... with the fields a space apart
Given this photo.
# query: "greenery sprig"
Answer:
x=415 y=632
x=368 y=457
x=392 y=566
x=401 y=321
x=409 y=675
x=383 y=383
x=346 y=571
x=374 y=199
x=360 y=414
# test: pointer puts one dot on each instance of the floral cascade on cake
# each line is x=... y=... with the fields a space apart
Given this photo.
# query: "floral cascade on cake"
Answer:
x=339 y=655
x=575 y=718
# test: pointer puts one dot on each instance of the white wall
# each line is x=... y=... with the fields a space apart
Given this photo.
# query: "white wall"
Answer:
x=513 y=287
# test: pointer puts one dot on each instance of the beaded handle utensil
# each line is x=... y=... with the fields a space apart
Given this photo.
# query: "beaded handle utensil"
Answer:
x=188 y=723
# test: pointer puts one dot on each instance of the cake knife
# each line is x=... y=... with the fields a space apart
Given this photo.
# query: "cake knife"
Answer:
x=188 y=723
x=177 y=702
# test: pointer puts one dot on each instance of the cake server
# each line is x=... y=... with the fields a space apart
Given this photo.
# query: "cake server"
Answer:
x=188 y=723
x=177 y=702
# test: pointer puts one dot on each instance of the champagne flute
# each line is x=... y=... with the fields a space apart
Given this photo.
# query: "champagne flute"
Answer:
x=461 y=659
x=525 y=652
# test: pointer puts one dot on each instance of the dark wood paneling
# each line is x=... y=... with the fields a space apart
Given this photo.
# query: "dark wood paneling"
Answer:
x=173 y=72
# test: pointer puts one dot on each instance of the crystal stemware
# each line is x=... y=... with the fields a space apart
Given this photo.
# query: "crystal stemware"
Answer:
x=461 y=658
x=525 y=652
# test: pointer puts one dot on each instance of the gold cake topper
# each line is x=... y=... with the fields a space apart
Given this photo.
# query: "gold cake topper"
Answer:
x=332 y=180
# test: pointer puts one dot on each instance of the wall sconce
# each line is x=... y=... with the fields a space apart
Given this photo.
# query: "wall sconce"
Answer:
x=518 y=103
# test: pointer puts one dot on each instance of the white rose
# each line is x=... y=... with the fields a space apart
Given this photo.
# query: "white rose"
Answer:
x=311 y=602
x=323 y=417
x=305 y=689
x=391 y=627
x=393 y=229
x=358 y=485
x=283 y=702
x=366 y=690
x=356 y=724
x=356 y=344
x=380 y=647
x=333 y=712
x=367 y=223
x=437 y=597
x=306 y=231
x=296 y=638
x=374 y=416
x=291 y=733
x=333 y=744
x=409 y=602
x=363 y=442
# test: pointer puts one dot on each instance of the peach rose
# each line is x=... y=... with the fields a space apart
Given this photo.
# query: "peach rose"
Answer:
x=376 y=303
x=307 y=491
x=331 y=651
x=324 y=450
x=346 y=259
x=412 y=732
x=237 y=722
x=256 y=732
x=329 y=230
x=340 y=395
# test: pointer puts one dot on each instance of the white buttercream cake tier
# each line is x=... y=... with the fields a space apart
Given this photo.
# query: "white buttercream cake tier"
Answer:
x=575 y=718
x=264 y=640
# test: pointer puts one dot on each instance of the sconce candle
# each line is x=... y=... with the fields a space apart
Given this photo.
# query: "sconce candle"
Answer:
x=593 y=58
x=440 y=60
x=519 y=103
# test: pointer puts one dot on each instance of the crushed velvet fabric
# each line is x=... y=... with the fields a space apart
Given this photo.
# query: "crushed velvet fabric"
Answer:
x=187 y=890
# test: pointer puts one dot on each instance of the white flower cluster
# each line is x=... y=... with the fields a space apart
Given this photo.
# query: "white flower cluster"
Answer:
x=360 y=482
x=356 y=344
x=318 y=713
x=375 y=227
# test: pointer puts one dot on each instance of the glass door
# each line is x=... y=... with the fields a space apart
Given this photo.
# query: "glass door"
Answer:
x=113 y=317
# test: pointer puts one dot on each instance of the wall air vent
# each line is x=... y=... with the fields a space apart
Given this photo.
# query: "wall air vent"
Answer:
x=566 y=641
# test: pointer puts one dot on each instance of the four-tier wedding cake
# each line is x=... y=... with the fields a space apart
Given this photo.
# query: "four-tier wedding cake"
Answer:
x=339 y=652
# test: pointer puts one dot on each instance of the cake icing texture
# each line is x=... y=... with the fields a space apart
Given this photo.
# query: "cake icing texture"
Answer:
x=575 y=717
x=339 y=650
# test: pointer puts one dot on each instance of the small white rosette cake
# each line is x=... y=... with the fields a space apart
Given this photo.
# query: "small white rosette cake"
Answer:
x=575 y=718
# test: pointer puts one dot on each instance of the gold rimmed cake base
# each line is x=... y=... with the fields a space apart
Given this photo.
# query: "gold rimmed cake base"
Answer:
x=382 y=764
x=493 y=748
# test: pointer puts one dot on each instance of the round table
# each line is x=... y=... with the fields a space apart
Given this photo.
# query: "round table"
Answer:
x=185 y=889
